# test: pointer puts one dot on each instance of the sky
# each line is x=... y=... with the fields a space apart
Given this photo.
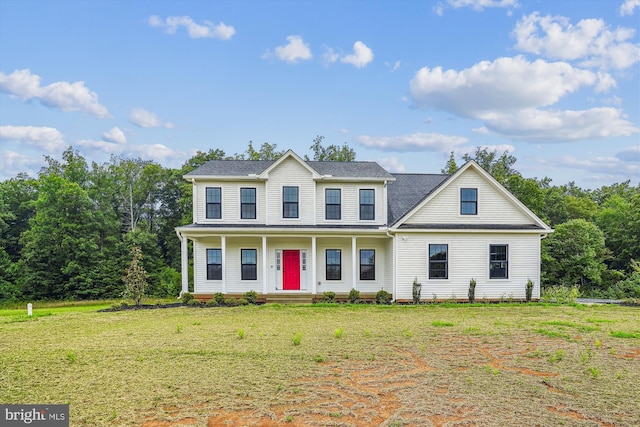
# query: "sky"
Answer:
x=405 y=83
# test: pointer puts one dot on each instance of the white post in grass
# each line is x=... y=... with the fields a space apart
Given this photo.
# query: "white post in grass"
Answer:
x=29 y=309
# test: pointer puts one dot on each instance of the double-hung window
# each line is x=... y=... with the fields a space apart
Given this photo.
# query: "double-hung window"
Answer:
x=367 y=264
x=249 y=264
x=367 y=204
x=290 y=202
x=214 y=203
x=468 y=201
x=214 y=264
x=498 y=261
x=332 y=203
x=438 y=261
x=334 y=264
x=248 y=203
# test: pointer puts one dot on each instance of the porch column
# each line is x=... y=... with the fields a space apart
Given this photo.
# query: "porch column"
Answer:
x=353 y=262
x=223 y=249
x=264 y=265
x=184 y=258
x=312 y=263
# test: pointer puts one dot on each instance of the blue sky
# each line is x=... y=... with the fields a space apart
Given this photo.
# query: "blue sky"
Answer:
x=404 y=83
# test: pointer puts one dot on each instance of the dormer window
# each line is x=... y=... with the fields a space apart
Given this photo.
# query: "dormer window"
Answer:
x=290 y=202
x=468 y=201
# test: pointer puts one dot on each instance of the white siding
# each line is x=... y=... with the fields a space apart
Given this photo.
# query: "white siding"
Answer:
x=230 y=201
x=493 y=206
x=468 y=258
x=350 y=203
x=291 y=173
x=379 y=246
x=201 y=284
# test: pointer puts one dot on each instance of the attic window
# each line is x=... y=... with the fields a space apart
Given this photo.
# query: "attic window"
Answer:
x=468 y=201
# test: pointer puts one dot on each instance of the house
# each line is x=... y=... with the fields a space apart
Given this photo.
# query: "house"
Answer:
x=292 y=228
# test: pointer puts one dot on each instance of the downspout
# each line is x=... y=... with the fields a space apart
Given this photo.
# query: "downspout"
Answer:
x=394 y=261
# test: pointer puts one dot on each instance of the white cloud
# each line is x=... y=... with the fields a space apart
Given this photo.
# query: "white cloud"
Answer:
x=101 y=146
x=329 y=56
x=628 y=7
x=611 y=166
x=630 y=154
x=535 y=125
x=505 y=84
x=47 y=138
x=146 y=119
x=418 y=141
x=362 y=55
x=114 y=135
x=391 y=164
x=508 y=94
x=12 y=163
x=61 y=95
x=196 y=31
x=343 y=131
x=157 y=152
x=438 y=9
x=589 y=41
x=394 y=67
x=295 y=50
x=480 y=5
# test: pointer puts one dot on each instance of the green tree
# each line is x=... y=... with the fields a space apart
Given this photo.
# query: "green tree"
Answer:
x=451 y=167
x=60 y=249
x=500 y=167
x=135 y=277
x=574 y=255
x=332 y=153
x=18 y=197
x=267 y=152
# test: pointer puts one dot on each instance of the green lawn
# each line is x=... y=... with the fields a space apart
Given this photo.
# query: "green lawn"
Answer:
x=328 y=365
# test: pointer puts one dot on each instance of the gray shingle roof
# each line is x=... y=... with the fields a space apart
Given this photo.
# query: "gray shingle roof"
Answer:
x=351 y=169
x=408 y=190
x=230 y=168
x=247 y=167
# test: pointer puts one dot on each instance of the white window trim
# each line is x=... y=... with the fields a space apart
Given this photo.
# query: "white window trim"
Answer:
x=448 y=279
x=488 y=265
x=221 y=219
x=459 y=207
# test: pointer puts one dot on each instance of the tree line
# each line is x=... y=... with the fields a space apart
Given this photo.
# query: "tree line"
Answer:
x=69 y=232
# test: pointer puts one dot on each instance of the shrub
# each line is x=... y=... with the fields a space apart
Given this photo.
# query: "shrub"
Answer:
x=187 y=297
x=472 y=290
x=560 y=294
x=417 y=289
x=354 y=296
x=219 y=297
x=329 y=296
x=251 y=297
x=235 y=302
x=194 y=302
x=212 y=303
x=383 y=297
x=529 y=289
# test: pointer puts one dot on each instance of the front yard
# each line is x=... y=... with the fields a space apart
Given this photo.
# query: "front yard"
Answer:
x=345 y=365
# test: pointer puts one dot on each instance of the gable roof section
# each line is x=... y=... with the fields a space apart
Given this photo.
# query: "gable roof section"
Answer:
x=351 y=170
x=289 y=154
x=408 y=190
x=491 y=180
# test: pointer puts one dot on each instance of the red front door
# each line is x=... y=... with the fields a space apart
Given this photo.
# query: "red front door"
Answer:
x=291 y=270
